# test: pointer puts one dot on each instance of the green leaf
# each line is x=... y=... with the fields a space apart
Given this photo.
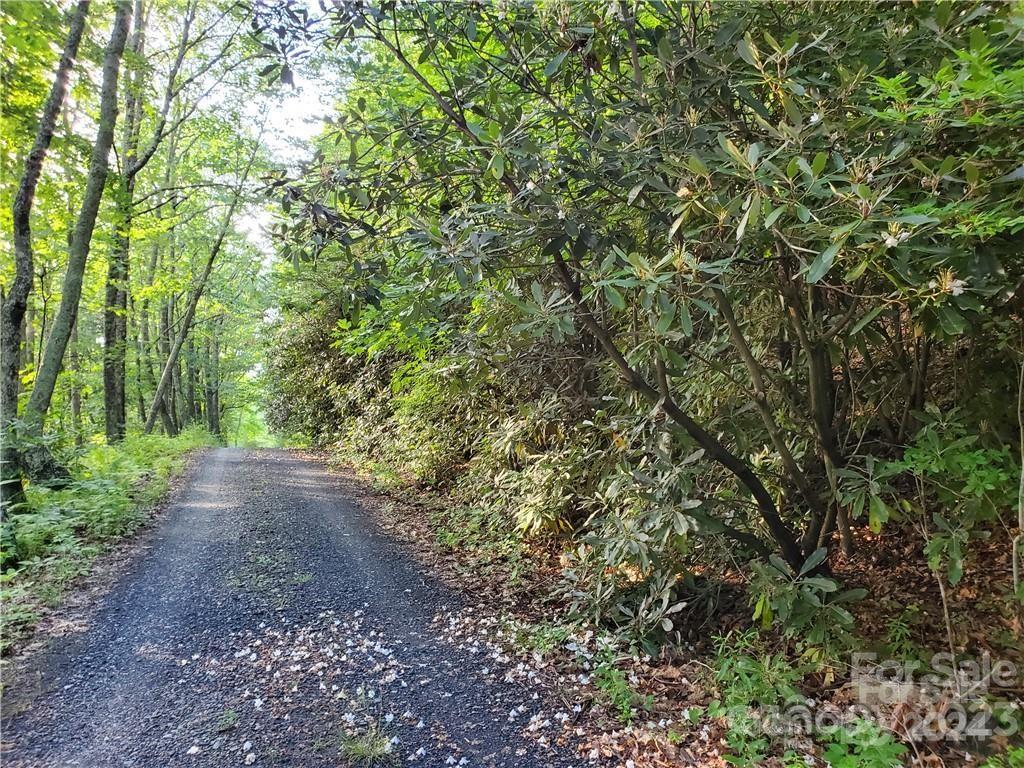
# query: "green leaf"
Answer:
x=821 y=584
x=978 y=39
x=856 y=271
x=950 y=320
x=878 y=513
x=916 y=218
x=747 y=50
x=665 y=50
x=821 y=265
x=741 y=228
x=818 y=164
x=862 y=323
x=665 y=321
x=614 y=297
x=772 y=217
x=814 y=560
x=971 y=172
x=732 y=150
x=554 y=65
x=497 y=165
x=697 y=165
x=685 y=321
x=538 y=292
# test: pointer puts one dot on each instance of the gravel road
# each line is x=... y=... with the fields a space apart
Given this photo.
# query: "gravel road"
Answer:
x=269 y=623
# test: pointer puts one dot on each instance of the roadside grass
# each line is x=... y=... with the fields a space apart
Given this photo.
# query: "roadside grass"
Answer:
x=62 y=532
x=369 y=748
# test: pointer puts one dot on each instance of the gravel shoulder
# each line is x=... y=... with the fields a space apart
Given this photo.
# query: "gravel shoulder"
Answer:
x=269 y=622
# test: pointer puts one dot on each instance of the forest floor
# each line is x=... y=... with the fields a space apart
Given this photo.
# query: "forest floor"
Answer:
x=266 y=619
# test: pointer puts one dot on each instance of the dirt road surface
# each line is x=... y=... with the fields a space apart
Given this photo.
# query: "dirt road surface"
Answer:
x=268 y=622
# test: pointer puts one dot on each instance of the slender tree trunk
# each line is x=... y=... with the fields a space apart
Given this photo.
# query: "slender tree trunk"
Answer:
x=114 y=325
x=190 y=386
x=140 y=400
x=166 y=406
x=76 y=386
x=215 y=412
x=14 y=305
x=30 y=354
x=44 y=298
x=46 y=378
x=115 y=309
x=176 y=396
x=209 y=386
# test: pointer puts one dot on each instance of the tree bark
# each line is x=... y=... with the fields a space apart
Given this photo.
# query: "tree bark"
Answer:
x=191 y=407
x=15 y=303
x=214 y=414
x=115 y=308
x=56 y=346
x=76 y=387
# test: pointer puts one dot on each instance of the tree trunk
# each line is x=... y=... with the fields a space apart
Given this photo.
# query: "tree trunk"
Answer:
x=140 y=400
x=208 y=383
x=115 y=308
x=76 y=387
x=15 y=303
x=191 y=406
x=56 y=346
x=166 y=405
x=214 y=414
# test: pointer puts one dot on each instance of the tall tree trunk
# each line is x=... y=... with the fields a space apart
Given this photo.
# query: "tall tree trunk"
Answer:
x=115 y=309
x=13 y=311
x=76 y=386
x=190 y=382
x=46 y=379
x=30 y=355
x=166 y=405
x=209 y=387
x=140 y=400
x=114 y=326
x=44 y=298
x=214 y=415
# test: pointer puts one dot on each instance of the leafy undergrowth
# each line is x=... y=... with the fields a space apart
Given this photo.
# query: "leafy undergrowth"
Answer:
x=59 y=537
x=726 y=690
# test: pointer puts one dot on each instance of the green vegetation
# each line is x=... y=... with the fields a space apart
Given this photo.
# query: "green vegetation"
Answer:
x=368 y=748
x=699 y=297
x=715 y=309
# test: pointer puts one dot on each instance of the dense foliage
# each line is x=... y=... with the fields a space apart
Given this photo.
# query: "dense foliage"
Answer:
x=689 y=282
